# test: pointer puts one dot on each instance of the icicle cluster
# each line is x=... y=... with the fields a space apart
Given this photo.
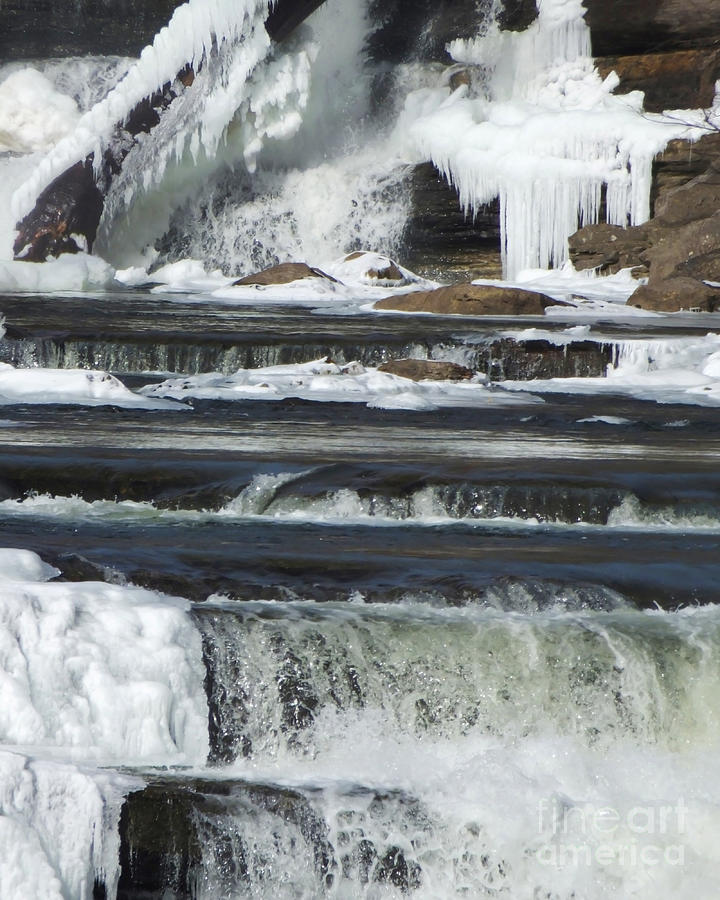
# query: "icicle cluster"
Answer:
x=546 y=140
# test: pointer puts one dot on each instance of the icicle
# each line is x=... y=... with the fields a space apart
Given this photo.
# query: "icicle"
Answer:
x=546 y=139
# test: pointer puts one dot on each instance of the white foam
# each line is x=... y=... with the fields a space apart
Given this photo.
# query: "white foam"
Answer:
x=33 y=114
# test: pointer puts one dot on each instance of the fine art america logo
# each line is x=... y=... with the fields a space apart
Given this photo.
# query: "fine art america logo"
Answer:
x=589 y=835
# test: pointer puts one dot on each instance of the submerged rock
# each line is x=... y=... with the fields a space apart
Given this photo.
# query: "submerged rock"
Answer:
x=284 y=273
x=426 y=370
x=471 y=300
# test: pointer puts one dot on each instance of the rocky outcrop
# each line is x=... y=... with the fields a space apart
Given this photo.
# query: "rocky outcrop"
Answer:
x=679 y=248
x=676 y=79
x=283 y=273
x=632 y=27
x=426 y=370
x=42 y=28
x=471 y=300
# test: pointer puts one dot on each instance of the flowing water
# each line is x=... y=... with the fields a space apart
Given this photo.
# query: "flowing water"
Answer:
x=273 y=624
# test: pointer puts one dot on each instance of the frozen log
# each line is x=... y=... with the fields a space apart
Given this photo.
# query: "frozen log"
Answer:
x=67 y=212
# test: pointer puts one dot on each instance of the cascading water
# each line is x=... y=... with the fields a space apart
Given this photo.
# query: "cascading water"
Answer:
x=315 y=629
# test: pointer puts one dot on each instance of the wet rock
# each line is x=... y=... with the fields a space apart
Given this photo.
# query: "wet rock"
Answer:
x=394 y=869
x=471 y=300
x=31 y=29
x=506 y=358
x=284 y=273
x=422 y=29
x=159 y=852
x=440 y=240
x=65 y=217
x=426 y=370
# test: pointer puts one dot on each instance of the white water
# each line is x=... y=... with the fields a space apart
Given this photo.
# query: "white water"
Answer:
x=547 y=785
x=498 y=761
x=271 y=497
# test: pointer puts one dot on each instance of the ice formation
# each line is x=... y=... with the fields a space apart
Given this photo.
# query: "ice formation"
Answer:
x=548 y=138
x=106 y=672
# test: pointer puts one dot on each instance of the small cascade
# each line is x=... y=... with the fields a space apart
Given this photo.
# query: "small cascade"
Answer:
x=292 y=680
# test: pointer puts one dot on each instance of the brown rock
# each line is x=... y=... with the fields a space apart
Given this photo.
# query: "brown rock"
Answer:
x=675 y=248
x=675 y=294
x=389 y=273
x=697 y=199
x=645 y=26
x=460 y=77
x=426 y=370
x=676 y=79
x=472 y=300
x=284 y=273
x=609 y=248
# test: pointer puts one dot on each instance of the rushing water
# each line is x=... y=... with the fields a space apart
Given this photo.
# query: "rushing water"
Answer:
x=274 y=623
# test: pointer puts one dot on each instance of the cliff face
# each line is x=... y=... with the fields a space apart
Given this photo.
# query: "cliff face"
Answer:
x=45 y=28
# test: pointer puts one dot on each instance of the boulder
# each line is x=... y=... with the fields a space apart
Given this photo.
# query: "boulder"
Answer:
x=284 y=273
x=471 y=300
x=426 y=370
x=609 y=248
x=692 y=249
x=675 y=294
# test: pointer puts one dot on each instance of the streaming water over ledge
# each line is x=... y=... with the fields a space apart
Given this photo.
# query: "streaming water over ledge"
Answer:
x=405 y=640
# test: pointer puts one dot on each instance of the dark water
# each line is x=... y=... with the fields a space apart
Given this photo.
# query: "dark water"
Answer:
x=336 y=543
